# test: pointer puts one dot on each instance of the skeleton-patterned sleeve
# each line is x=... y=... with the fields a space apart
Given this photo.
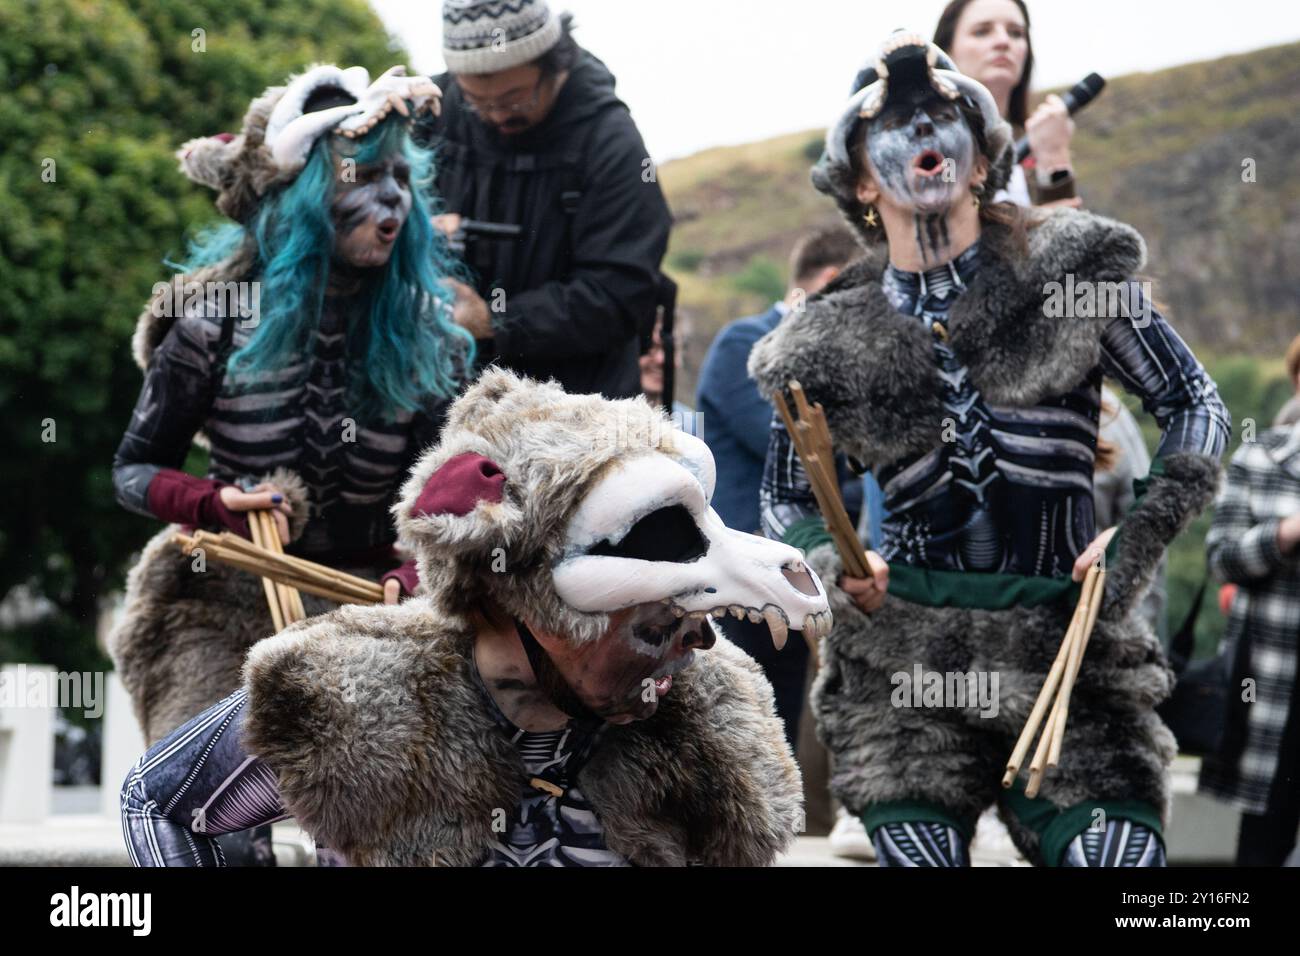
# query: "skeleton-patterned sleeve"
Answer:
x=785 y=495
x=197 y=782
x=1146 y=356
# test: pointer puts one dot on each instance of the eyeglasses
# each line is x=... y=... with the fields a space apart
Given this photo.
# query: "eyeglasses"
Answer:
x=479 y=109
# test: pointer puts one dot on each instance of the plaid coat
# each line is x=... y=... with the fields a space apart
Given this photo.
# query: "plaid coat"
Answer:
x=1262 y=488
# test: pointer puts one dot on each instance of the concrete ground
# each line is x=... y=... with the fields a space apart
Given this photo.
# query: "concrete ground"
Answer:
x=1201 y=831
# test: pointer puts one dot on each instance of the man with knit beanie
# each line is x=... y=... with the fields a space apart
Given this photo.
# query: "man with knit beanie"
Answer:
x=532 y=135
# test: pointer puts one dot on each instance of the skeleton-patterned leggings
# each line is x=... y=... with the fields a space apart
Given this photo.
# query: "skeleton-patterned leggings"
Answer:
x=927 y=843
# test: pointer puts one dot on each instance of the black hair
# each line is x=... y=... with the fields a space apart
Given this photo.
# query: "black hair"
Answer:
x=564 y=55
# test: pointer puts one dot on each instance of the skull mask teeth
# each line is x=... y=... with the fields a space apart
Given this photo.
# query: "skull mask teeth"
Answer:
x=645 y=533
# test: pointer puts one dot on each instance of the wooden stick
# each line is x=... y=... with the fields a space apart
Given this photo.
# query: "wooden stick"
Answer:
x=1036 y=766
x=236 y=560
x=300 y=612
x=1086 y=598
x=812 y=422
x=825 y=489
x=1045 y=695
x=1076 y=661
x=271 y=541
x=267 y=565
x=269 y=534
x=272 y=595
x=306 y=570
x=290 y=570
x=290 y=599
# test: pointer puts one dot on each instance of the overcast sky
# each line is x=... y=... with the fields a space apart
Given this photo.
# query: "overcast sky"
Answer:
x=701 y=73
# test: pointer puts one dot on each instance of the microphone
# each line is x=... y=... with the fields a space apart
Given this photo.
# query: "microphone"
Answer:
x=1075 y=99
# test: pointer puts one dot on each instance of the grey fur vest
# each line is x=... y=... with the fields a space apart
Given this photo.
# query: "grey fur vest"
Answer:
x=385 y=749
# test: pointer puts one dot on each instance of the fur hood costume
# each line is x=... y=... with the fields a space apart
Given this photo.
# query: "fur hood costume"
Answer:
x=276 y=135
x=384 y=748
x=873 y=371
x=183 y=635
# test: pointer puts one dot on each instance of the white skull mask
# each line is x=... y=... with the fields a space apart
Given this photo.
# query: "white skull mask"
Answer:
x=645 y=533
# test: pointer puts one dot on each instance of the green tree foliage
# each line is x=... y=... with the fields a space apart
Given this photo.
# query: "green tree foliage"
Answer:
x=99 y=93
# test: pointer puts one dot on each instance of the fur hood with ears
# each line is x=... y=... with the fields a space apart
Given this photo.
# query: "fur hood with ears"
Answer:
x=503 y=551
x=240 y=169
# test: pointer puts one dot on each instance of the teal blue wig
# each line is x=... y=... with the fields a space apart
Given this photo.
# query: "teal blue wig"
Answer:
x=410 y=349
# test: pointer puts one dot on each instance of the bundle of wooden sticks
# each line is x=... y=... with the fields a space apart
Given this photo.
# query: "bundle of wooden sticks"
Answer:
x=283 y=575
x=1060 y=682
x=812 y=440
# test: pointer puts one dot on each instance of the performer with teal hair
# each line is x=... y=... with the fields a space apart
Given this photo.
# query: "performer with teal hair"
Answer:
x=308 y=344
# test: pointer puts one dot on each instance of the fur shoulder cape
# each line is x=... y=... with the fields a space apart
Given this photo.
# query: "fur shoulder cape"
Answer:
x=874 y=373
x=385 y=749
x=872 y=368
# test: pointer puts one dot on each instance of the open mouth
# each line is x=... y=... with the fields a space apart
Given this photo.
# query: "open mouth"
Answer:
x=927 y=163
x=660 y=634
x=388 y=229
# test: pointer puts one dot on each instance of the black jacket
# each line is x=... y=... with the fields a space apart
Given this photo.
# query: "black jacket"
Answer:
x=582 y=276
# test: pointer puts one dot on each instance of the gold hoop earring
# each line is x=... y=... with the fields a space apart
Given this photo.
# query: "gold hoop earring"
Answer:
x=871 y=218
x=975 y=195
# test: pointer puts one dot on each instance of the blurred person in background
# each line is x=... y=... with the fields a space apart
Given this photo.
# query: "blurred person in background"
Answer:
x=737 y=423
x=1122 y=458
x=989 y=42
x=1254 y=543
x=651 y=365
x=1289 y=413
x=532 y=135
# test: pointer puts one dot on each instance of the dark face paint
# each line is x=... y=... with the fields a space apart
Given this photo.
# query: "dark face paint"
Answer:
x=369 y=212
x=614 y=676
x=922 y=153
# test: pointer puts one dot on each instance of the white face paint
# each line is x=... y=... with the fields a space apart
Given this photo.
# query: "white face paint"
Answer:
x=922 y=154
x=646 y=534
x=910 y=148
x=369 y=211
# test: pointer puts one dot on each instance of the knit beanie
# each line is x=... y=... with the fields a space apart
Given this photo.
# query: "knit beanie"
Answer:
x=488 y=36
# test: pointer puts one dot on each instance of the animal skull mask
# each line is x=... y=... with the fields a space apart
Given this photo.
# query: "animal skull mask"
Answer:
x=646 y=533
x=566 y=508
